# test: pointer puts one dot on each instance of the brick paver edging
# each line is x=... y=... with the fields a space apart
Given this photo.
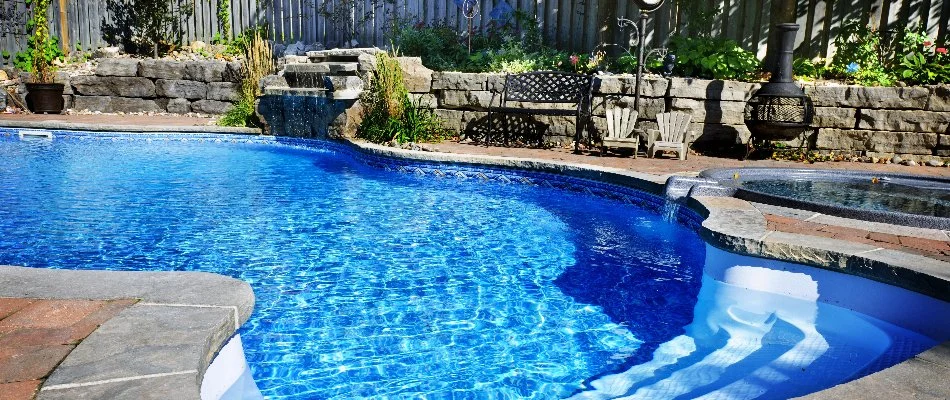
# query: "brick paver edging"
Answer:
x=160 y=346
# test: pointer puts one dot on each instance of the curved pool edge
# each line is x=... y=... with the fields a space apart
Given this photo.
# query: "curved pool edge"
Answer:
x=161 y=344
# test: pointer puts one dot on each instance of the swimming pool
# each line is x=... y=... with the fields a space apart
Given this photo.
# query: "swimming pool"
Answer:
x=371 y=283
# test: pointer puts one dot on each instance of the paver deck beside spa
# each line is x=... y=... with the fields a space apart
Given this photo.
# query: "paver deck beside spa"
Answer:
x=37 y=334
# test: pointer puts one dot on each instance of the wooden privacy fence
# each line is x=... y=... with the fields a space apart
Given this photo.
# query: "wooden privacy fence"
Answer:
x=567 y=24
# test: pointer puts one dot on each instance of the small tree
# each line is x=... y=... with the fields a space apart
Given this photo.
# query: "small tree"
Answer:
x=146 y=24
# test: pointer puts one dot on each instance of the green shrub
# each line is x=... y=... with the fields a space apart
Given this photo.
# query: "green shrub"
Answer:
x=258 y=63
x=389 y=116
x=713 y=59
x=923 y=62
x=860 y=56
x=805 y=69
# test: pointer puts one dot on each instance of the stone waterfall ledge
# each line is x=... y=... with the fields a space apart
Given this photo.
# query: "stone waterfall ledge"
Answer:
x=159 y=347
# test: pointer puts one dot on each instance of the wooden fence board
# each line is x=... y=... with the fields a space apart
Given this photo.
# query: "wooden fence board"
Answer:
x=568 y=24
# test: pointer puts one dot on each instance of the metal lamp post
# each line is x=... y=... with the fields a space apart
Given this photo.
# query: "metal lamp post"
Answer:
x=646 y=7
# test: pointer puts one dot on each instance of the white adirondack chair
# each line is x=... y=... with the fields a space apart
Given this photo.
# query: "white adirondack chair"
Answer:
x=620 y=129
x=673 y=135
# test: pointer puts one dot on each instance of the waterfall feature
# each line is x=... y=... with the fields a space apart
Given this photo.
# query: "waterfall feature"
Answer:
x=314 y=96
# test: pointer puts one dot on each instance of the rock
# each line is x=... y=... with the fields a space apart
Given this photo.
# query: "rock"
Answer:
x=423 y=100
x=162 y=69
x=109 y=104
x=464 y=99
x=296 y=49
x=90 y=85
x=934 y=163
x=234 y=71
x=835 y=117
x=417 y=77
x=904 y=121
x=279 y=50
x=910 y=163
x=106 y=52
x=875 y=160
x=273 y=81
x=210 y=107
x=118 y=67
x=224 y=91
x=717 y=112
x=712 y=90
x=205 y=71
x=3 y=75
x=897 y=159
x=459 y=81
x=939 y=98
x=868 y=97
x=175 y=88
x=198 y=45
x=178 y=106
x=876 y=141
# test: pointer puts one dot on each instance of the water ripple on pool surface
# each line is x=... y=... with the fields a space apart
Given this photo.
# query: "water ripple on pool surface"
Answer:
x=368 y=283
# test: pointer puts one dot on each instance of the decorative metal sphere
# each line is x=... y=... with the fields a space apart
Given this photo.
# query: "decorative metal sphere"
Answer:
x=648 y=5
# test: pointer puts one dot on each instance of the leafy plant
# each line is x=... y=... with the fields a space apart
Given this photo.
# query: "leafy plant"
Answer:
x=713 y=58
x=389 y=115
x=805 y=69
x=143 y=25
x=923 y=62
x=258 y=63
x=42 y=49
x=861 y=57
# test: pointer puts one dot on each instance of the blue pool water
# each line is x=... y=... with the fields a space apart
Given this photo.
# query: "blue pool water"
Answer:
x=371 y=283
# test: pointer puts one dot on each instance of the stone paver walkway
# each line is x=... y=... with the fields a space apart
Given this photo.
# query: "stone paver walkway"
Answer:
x=112 y=119
x=669 y=166
x=37 y=334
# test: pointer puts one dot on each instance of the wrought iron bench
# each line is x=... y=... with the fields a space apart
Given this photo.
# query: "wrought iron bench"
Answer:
x=546 y=87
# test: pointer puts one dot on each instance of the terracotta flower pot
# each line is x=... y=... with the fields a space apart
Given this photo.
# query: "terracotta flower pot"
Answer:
x=45 y=98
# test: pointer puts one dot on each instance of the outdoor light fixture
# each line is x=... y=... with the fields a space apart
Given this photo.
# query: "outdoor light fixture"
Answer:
x=646 y=7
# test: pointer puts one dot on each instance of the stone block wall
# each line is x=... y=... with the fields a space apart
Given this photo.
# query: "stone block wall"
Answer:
x=913 y=122
x=179 y=87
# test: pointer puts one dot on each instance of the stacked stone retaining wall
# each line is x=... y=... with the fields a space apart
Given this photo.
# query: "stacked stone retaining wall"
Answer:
x=911 y=121
x=155 y=85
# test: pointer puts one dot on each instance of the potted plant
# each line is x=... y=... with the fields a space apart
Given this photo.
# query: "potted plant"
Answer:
x=43 y=95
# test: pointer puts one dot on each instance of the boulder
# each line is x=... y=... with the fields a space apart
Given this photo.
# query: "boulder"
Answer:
x=904 y=121
x=835 y=117
x=711 y=89
x=106 y=52
x=876 y=141
x=417 y=77
x=90 y=85
x=716 y=112
x=233 y=71
x=459 y=81
x=205 y=70
x=110 y=104
x=162 y=69
x=224 y=91
x=939 y=98
x=464 y=99
x=118 y=67
x=214 y=107
x=191 y=90
x=178 y=106
x=869 y=97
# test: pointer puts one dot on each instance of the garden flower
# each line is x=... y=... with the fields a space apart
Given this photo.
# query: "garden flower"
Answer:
x=942 y=50
x=575 y=59
x=928 y=43
x=853 y=68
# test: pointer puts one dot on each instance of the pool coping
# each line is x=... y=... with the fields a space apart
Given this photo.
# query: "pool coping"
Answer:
x=728 y=223
x=161 y=344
